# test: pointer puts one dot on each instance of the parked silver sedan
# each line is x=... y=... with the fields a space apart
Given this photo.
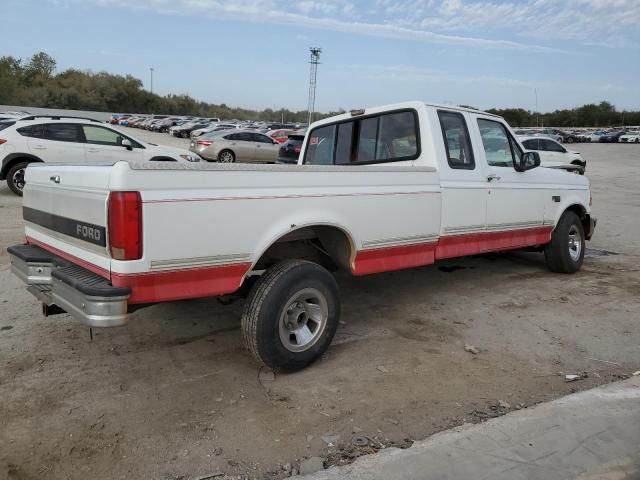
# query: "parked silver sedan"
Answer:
x=245 y=146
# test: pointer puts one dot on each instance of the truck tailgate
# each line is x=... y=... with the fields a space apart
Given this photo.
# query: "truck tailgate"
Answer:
x=65 y=212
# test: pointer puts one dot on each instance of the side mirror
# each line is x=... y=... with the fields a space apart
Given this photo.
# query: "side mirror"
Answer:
x=127 y=144
x=528 y=161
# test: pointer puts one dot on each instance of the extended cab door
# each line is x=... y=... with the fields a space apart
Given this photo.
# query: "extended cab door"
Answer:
x=464 y=186
x=515 y=200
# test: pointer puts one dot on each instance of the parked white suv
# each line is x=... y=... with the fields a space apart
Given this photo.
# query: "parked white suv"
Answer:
x=51 y=139
x=555 y=155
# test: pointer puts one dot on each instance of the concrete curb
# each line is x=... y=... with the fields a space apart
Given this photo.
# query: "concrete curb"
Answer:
x=586 y=435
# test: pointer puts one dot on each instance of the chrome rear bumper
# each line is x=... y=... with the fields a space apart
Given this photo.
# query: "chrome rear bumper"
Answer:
x=57 y=282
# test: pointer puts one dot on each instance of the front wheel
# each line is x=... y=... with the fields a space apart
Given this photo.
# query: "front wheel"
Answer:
x=291 y=315
x=565 y=252
x=15 y=177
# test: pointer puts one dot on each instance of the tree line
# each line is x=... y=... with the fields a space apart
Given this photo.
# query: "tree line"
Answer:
x=34 y=82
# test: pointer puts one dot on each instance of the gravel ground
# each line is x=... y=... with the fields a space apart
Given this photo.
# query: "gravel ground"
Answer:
x=174 y=396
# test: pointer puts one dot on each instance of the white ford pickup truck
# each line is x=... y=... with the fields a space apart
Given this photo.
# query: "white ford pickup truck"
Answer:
x=375 y=190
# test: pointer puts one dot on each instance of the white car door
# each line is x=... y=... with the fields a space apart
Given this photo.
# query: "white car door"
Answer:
x=104 y=144
x=515 y=200
x=57 y=142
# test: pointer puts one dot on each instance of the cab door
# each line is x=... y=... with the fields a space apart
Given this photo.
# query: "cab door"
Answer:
x=515 y=200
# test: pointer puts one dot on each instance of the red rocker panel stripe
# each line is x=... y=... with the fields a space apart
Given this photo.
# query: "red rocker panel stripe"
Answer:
x=408 y=256
x=182 y=284
x=470 y=244
x=393 y=258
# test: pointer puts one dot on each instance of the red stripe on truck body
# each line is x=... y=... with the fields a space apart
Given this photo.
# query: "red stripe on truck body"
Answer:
x=170 y=285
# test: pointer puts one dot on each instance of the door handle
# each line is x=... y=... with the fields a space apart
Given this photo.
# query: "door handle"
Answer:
x=492 y=177
x=92 y=150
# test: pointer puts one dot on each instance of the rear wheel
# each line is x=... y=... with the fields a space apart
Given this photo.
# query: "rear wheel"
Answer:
x=565 y=252
x=291 y=315
x=226 y=156
x=15 y=177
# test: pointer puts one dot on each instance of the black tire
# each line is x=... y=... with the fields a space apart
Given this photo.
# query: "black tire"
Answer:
x=569 y=140
x=15 y=177
x=562 y=254
x=226 y=156
x=274 y=301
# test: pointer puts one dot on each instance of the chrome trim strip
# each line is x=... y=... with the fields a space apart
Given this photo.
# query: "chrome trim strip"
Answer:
x=213 y=261
x=464 y=229
x=399 y=241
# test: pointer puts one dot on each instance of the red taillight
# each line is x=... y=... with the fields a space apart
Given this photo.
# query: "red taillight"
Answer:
x=2 y=140
x=125 y=225
x=204 y=143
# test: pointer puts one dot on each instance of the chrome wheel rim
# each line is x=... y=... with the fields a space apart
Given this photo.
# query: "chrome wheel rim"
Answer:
x=18 y=179
x=226 y=157
x=575 y=243
x=303 y=320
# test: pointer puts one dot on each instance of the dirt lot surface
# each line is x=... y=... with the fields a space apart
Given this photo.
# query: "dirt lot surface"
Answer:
x=174 y=396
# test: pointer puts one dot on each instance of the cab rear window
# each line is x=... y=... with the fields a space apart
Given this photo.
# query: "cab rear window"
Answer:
x=387 y=137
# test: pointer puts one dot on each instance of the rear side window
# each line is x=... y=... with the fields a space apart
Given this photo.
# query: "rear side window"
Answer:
x=4 y=125
x=388 y=137
x=320 y=147
x=64 y=132
x=35 y=131
x=456 y=140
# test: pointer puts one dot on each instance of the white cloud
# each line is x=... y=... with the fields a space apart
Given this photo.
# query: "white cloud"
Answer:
x=403 y=19
x=588 y=22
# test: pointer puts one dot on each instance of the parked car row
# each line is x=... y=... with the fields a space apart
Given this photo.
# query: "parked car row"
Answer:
x=231 y=141
x=614 y=135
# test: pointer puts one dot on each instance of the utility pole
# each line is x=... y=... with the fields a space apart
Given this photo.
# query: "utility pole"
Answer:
x=535 y=90
x=151 y=70
x=313 y=76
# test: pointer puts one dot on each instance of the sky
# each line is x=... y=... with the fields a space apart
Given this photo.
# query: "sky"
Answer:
x=255 y=53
